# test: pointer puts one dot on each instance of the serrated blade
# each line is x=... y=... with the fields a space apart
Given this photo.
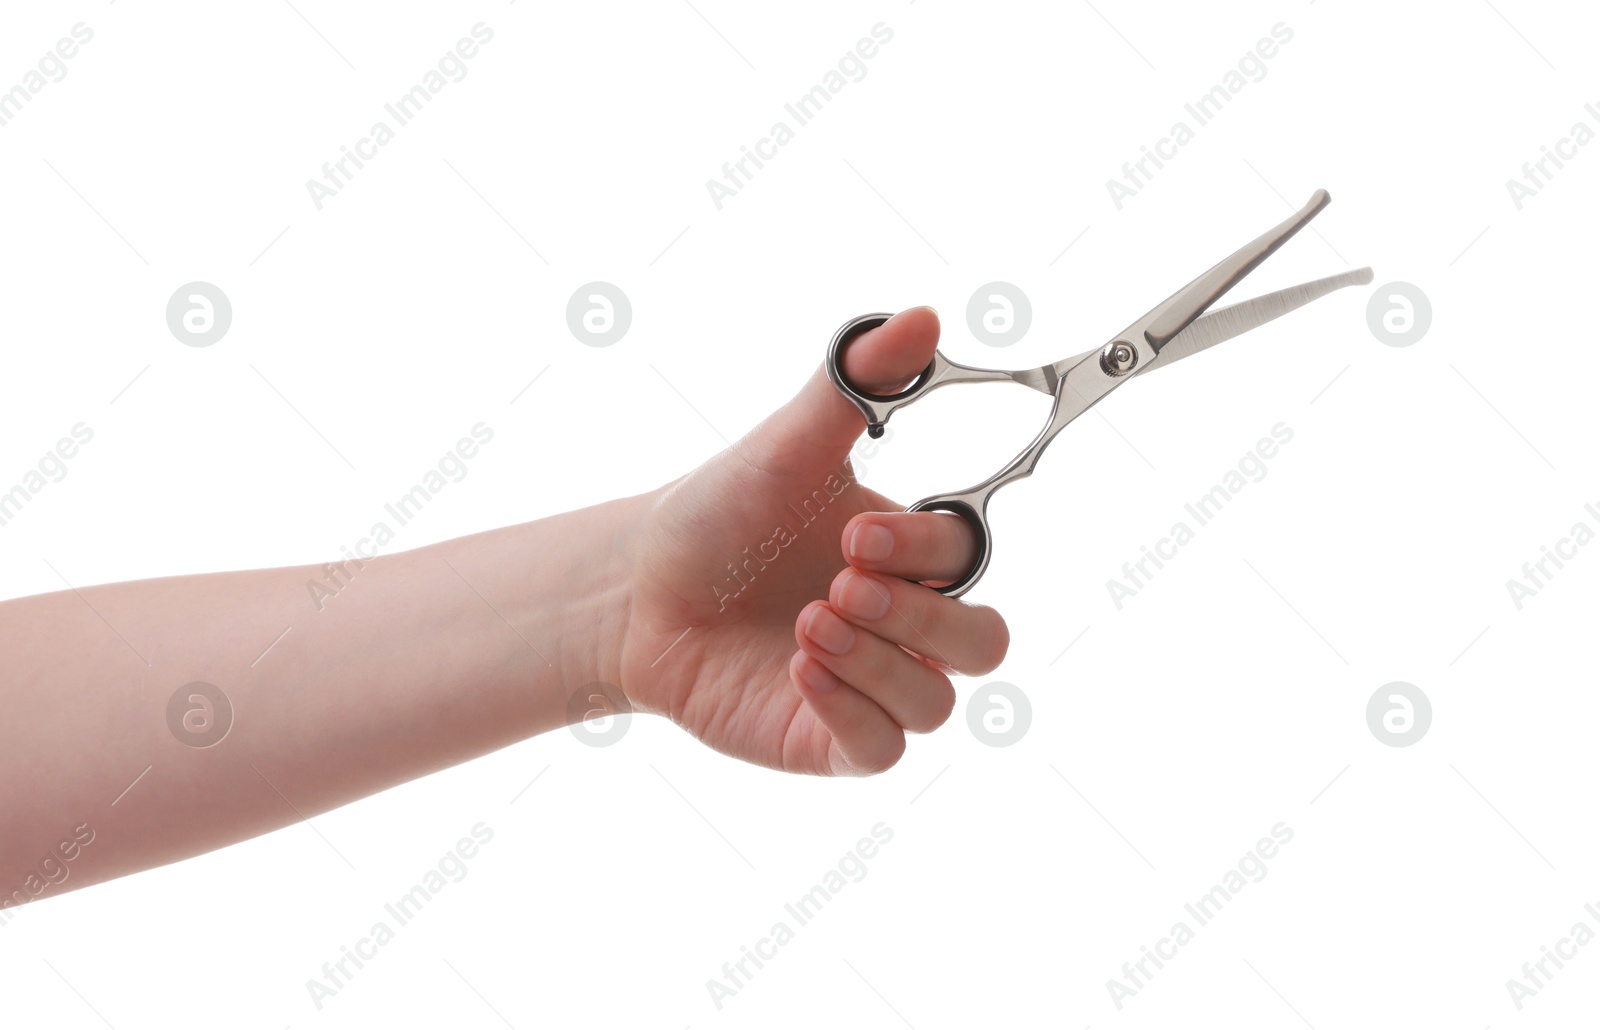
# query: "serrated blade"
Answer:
x=1225 y=323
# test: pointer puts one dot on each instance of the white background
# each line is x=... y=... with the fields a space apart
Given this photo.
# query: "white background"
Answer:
x=1228 y=696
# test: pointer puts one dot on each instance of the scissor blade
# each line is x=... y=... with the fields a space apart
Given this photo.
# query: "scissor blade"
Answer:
x=1183 y=307
x=1226 y=323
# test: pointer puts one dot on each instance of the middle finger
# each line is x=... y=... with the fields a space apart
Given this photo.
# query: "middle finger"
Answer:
x=968 y=638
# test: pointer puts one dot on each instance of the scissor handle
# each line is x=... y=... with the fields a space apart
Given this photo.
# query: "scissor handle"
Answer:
x=874 y=407
x=972 y=507
x=877 y=408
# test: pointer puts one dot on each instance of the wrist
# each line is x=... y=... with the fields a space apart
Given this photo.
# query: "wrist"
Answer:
x=537 y=609
x=588 y=584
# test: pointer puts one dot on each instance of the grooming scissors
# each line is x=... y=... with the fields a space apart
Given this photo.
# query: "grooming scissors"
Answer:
x=1176 y=328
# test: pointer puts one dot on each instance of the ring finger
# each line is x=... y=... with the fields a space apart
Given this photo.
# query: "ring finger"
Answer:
x=915 y=695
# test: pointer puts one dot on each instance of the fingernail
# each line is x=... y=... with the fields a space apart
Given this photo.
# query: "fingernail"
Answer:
x=829 y=632
x=871 y=542
x=817 y=679
x=861 y=598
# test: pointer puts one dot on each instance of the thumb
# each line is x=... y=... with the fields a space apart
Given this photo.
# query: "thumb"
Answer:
x=819 y=423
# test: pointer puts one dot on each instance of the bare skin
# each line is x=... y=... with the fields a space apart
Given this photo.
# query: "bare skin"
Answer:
x=817 y=661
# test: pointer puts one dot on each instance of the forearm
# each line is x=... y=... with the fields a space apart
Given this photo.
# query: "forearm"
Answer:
x=419 y=661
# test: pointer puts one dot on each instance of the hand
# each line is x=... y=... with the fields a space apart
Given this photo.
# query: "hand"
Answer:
x=436 y=655
x=731 y=566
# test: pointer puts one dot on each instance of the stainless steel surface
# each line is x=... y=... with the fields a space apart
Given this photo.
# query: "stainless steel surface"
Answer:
x=1176 y=328
x=941 y=371
x=1183 y=307
x=1227 y=322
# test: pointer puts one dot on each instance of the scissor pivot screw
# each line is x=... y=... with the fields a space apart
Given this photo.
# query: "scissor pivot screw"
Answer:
x=1118 y=358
